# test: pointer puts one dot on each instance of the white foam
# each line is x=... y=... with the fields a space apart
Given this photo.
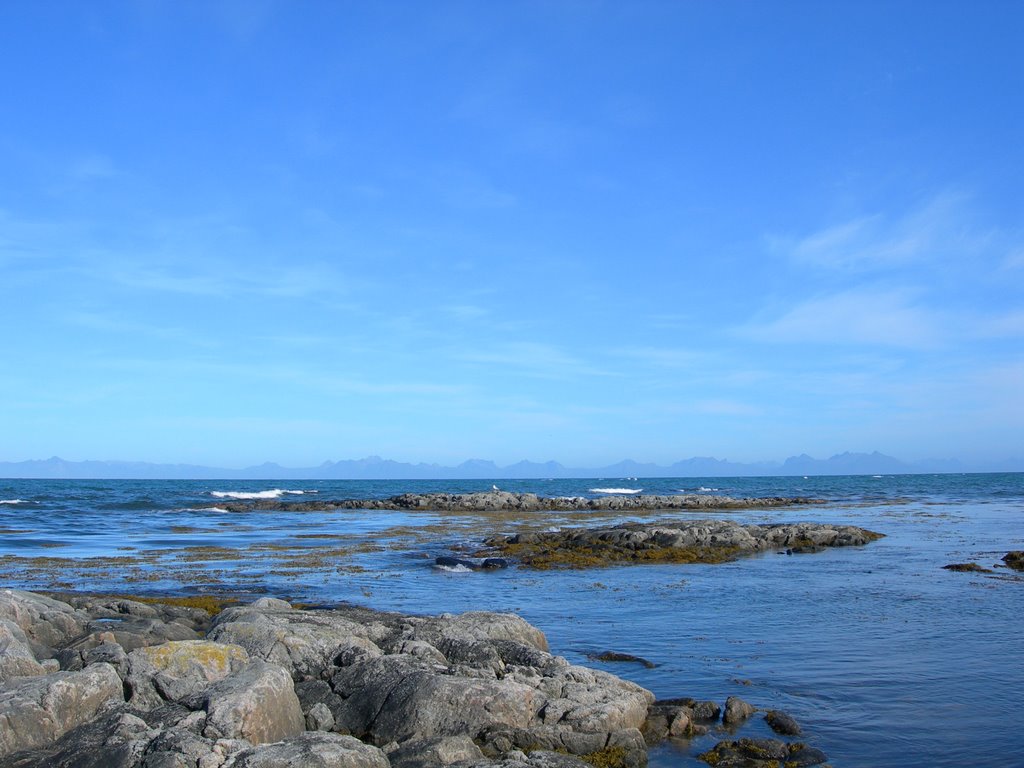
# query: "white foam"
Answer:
x=615 y=490
x=454 y=568
x=14 y=501
x=274 y=493
x=702 y=489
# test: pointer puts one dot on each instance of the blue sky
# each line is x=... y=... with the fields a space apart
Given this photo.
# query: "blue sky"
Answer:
x=584 y=231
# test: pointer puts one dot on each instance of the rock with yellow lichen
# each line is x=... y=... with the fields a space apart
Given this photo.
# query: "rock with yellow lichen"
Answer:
x=172 y=671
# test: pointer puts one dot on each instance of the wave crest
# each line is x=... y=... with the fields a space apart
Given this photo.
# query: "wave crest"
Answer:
x=274 y=493
x=615 y=490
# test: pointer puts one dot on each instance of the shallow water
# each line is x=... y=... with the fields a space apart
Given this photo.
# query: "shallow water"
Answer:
x=882 y=656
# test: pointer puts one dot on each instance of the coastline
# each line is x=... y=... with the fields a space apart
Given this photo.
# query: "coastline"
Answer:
x=91 y=680
x=790 y=633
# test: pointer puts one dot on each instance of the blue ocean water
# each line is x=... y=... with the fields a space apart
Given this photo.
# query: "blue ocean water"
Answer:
x=885 y=658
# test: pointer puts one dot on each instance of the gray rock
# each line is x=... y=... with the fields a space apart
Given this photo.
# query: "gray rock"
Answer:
x=423 y=701
x=131 y=632
x=672 y=718
x=736 y=711
x=319 y=718
x=179 y=747
x=312 y=750
x=479 y=626
x=107 y=653
x=313 y=693
x=115 y=739
x=782 y=723
x=47 y=623
x=39 y=710
x=257 y=703
x=305 y=642
x=435 y=753
x=16 y=657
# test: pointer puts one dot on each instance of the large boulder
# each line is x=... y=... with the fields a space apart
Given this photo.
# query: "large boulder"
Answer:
x=115 y=739
x=173 y=671
x=16 y=657
x=424 y=701
x=36 y=711
x=305 y=642
x=257 y=703
x=47 y=623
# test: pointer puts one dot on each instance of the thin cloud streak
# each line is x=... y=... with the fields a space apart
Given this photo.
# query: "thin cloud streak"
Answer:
x=883 y=317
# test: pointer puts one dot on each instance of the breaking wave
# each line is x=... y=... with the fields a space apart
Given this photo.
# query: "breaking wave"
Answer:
x=274 y=493
x=615 y=490
x=454 y=568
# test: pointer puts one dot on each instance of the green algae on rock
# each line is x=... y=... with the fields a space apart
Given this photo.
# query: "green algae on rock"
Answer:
x=1014 y=560
x=693 y=541
x=966 y=568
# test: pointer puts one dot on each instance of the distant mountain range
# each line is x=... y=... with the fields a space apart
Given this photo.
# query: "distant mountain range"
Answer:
x=376 y=468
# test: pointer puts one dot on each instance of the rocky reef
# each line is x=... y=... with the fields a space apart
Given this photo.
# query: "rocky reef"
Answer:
x=495 y=501
x=691 y=541
x=87 y=682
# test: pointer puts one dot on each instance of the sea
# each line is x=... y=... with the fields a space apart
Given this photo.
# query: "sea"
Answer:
x=884 y=657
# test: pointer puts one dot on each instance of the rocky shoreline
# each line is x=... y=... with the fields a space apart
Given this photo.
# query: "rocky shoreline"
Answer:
x=495 y=501
x=88 y=681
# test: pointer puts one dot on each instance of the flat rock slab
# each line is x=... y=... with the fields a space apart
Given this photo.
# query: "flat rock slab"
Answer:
x=692 y=541
x=495 y=501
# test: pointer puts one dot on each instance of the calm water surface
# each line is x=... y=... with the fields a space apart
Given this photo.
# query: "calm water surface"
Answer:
x=885 y=658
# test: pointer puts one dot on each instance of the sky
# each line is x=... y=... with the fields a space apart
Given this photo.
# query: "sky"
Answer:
x=237 y=232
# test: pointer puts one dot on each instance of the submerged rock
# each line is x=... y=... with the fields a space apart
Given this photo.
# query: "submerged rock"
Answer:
x=487 y=564
x=966 y=568
x=623 y=657
x=762 y=753
x=782 y=723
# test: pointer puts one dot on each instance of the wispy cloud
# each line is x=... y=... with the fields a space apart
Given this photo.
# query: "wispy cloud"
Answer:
x=883 y=317
x=878 y=241
x=95 y=166
x=1015 y=259
x=661 y=357
x=109 y=322
x=533 y=359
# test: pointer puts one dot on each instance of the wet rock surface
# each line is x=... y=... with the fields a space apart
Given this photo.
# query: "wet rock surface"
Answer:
x=692 y=541
x=762 y=753
x=492 y=501
x=966 y=568
x=267 y=685
x=1014 y=560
